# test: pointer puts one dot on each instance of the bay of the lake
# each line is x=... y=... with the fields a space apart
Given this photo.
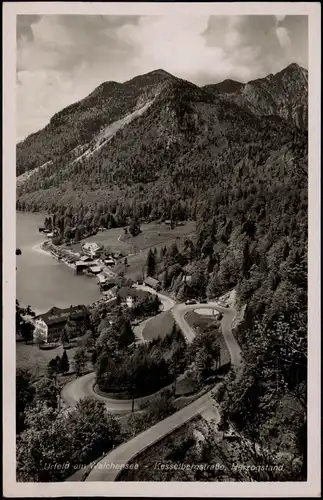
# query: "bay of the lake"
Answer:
x=41 y=281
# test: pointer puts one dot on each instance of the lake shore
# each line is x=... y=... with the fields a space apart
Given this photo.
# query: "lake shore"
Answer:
x=41 y=248
x=42 y=279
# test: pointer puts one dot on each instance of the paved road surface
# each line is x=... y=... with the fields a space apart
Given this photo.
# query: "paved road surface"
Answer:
x=204 y=405
x=167 y=304
x=166 y=301
x=83 y=386
x=139 y=443
x=180 y=310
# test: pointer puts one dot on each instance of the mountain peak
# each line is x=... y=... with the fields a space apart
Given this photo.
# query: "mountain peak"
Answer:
x=227 y=86
x=294 y=66
x=293 y=73
x=160 y=72
x=152 y=77
x=104 y=89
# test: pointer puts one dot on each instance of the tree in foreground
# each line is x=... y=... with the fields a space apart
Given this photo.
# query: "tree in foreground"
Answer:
x=27 y=330
x=65 y=364
x=25 y=393
x=96 y=431
x=80 y=360
x=134 y=227
x=46 y=391
x=151 y=263
x=23 y=326
x=53 y=367
x=160 y=406
x=71 y=328
x=122 y=330
x=77 y=436
x=39 y=339
x=65 y=338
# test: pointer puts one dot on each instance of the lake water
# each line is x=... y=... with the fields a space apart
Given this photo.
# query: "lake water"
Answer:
x=42 y=281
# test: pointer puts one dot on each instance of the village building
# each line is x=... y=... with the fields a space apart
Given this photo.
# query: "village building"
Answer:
x=152 y=282
x=102 y=278
x=80 y=266
x=110 y=283
x=111 y=293
x=130 y=296
x=86 y=258
x=92 y=249
x=83 y=263
x=109 y=262
x=50 y=325
x=94 y=269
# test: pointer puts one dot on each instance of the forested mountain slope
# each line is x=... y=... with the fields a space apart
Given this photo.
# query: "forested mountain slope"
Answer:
x=78 y=123
x=284 y=94
x=127 y=142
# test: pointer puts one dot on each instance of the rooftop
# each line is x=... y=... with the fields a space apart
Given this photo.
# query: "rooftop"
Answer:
x=82 y=263
x=127 y=291
x=95 y=269
x=92 y=246
x=56 y=315
x=151 y=281
x=85 y=258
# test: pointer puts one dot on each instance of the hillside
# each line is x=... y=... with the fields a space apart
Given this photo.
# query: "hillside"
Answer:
x=78 y=123
x=226 y=87
x=132 y=139
x=284 y=94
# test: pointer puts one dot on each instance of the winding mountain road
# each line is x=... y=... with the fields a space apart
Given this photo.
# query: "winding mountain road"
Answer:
x=82 y=387
x=167 y=302
x=108 y=468
x=179 y=311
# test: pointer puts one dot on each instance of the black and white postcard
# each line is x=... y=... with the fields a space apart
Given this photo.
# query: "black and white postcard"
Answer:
x=161 y=249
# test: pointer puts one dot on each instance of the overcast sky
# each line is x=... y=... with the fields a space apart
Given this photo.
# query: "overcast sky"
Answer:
x=61 y=59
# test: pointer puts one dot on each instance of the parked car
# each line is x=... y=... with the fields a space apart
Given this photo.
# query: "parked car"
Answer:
x=203 y=301
x=190 y=302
